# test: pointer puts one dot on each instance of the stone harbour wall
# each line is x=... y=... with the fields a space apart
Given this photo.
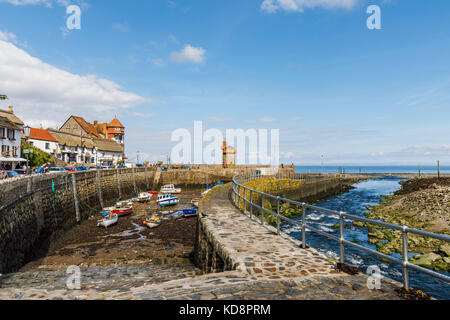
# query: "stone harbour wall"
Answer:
x=35 y=209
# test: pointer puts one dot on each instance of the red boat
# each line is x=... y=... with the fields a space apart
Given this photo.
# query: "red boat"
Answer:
x=123 y=212
x=153 y=192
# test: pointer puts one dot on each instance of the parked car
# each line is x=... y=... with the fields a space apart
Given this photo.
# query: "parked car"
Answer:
x=21 y=172
x=82 y=168
x=56 y=169
x=70 y=169
x=139 y=165
x=12 y=174
x=121 y=167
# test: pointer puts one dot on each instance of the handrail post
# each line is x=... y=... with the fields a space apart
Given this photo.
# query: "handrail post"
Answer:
x=278 y=215
x=304 y=227
x=239 y=196
x=405 y=258
x=341 y=242
x=262 y=210
x=251 y=203
x=245 y=200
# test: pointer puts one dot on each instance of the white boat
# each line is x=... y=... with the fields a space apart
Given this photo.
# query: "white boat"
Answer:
x=124 y=204
x=170 y=188
x=144 y=197
x=108 y=220
x=152 y=222
x=204 y=193
x=165 y=200
x=195 y=202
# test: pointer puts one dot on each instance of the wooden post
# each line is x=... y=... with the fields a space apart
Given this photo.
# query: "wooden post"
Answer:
x=439 y=170
x=146 y=179
x=100 y=191
x=75 y=196
x=134 y=181
x=118 y=183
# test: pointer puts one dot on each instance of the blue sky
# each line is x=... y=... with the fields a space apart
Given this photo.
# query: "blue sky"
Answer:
x=310 y=68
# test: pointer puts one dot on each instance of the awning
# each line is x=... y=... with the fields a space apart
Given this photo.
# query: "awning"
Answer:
x=12 y=159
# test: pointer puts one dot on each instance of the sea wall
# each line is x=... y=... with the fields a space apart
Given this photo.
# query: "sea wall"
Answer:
x=35 y=209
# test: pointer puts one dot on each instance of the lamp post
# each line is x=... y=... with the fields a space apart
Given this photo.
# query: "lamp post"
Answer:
x=96 y=156
x=27 y=133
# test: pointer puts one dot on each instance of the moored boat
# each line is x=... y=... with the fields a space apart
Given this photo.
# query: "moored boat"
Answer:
x=123 y=211
x=108 y=220
x=170 y=188
x=144 y=197
x=124 y=204
x=190 y=213
x=152 y=222
x=195 y=202
x=165 y=200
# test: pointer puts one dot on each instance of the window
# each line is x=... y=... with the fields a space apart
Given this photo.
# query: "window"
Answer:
x=2 y=133
x=75 y=127
x=10 y=134
x=76 y=149
x=68 y=127
x=63 y=148
x=47 y=146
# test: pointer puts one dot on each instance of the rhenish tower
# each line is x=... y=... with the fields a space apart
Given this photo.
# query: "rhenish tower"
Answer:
x=115 y=131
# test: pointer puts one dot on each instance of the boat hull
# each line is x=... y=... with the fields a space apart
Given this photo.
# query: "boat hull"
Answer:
x=123 y=212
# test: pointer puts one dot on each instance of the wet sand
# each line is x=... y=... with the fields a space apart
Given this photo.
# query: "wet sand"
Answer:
x=128 y=242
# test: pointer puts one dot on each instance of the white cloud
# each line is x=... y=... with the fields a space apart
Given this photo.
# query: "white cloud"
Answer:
x=273 y=6
x=46 y=3
x=189 y=54
x=264 y=120
x=40 y=91
x=7 y=36
x=121 y=27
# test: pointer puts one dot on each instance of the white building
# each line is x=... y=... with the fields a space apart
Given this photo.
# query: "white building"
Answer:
x=11 y=128
x=81 y=149
x=43 y=140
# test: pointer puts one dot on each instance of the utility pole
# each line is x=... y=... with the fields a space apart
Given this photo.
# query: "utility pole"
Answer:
x=137 y=157
x=419 y=171
x=439 y=170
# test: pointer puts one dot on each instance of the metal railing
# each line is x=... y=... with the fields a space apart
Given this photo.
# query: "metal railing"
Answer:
x=239 y=187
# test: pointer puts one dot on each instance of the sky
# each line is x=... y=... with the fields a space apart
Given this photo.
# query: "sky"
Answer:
x=310 y=68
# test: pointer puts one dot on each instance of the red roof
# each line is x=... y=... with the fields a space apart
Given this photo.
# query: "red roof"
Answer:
x=41 y=134
x=115 y=123
x=87 y=126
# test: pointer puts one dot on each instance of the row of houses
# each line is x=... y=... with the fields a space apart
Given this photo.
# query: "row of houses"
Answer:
x=11 y=128
x=77 y=141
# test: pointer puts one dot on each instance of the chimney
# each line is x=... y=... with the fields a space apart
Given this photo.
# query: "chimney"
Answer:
x=11 y=109
x=41 y=126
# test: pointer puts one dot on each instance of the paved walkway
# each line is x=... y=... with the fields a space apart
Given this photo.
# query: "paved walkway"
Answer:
x=267 y=267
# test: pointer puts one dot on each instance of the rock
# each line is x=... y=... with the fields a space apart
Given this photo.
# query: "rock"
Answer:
x=445 y=249
x=426 y=260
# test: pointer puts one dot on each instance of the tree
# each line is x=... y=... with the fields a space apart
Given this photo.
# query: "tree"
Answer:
x=38 y=157
x=3 y=97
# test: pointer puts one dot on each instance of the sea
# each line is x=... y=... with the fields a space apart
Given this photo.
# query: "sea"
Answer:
x=353 y=169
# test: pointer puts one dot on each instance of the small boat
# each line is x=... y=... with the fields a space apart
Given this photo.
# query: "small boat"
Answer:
x=190 y=213
x=195 y=202
x=108 y=220
x=152 y=222
x=218 y=184
x=143 y=197
x=106 y=211
x=170 y=188
x=124 y=204
x=165 y=200
x=122 y=212
x=204 y=193
x=153 y=192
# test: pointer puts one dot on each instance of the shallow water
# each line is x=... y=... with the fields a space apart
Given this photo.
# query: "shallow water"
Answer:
x=367 y=193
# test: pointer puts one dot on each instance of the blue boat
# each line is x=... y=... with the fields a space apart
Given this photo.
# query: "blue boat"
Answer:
x=165 y=200
x=190 y=213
